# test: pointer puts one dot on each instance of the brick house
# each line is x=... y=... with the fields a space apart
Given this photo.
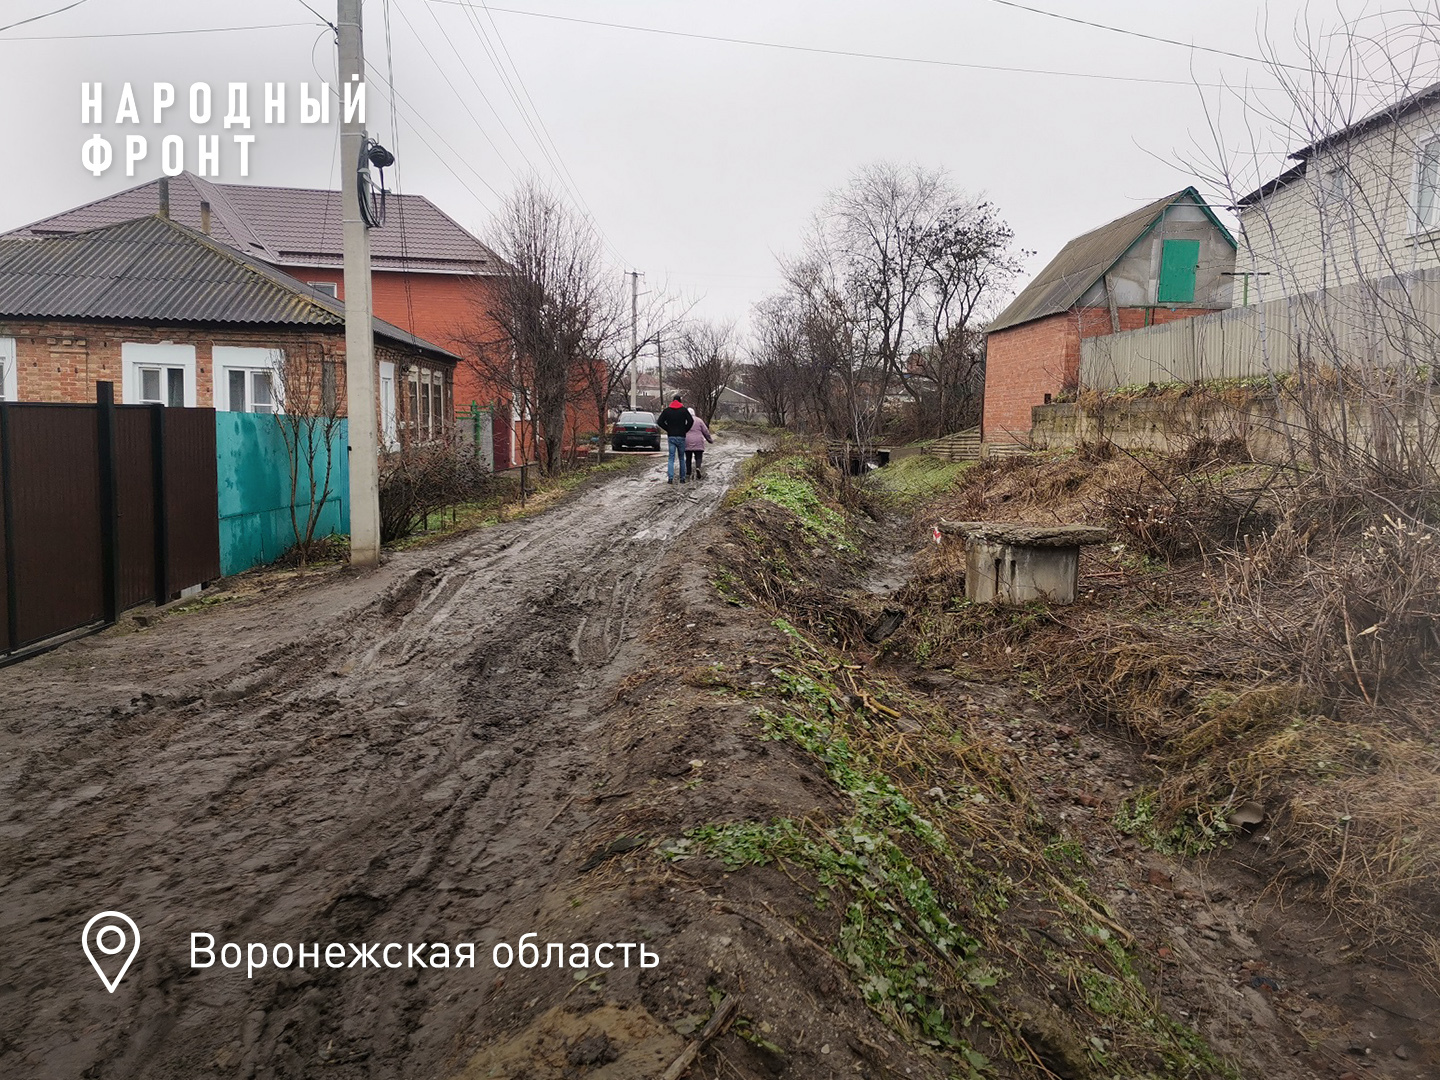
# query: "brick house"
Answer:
x=429 y=275
x=1363 y=202
x=1171 y=259
x=172 y=316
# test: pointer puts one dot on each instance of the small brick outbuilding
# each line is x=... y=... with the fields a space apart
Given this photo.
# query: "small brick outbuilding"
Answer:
x=1168 y=260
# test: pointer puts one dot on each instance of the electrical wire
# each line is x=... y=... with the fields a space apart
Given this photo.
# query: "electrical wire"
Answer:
x=574 y=184
x=399 y=188
x=849 y=53
x=1148 y=37
x=460 y=97
x=317 y=15
x=156 y=33
x=534 y=123
x=42 y=15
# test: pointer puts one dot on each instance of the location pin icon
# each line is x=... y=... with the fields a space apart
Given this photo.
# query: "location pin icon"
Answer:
x=111 y=939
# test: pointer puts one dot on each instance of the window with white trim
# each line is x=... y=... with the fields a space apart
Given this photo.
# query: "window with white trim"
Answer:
x=426 y=419
x=9 y=371
x=162 y=374
x=327 y=287
x=1427 y=187
x=247 y=379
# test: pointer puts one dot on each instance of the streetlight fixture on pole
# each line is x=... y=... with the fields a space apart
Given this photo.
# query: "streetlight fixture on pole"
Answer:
x=360 y=399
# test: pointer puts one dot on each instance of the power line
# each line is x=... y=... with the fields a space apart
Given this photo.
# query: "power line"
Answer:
x=317 y=15
x=574 y=184
x=43 y=15
x=850 y=53
x=456 y=91
x=1140 y=34
x=556 y=161
x=442 y=158
x=156 y=33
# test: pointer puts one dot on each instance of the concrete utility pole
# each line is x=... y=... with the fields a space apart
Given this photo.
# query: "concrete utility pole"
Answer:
x=634 y=339
x=660 y=372
x=359 y=326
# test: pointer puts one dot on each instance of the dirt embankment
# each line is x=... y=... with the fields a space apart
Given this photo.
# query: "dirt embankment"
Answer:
x=633 y=719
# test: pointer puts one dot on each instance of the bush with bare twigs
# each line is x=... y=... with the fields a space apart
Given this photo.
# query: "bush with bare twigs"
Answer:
x=424 y=479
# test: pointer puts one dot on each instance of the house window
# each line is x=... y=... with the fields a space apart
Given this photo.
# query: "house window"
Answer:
x=1427 y=187
x=158 y=374
x=250 y=391
x=9 y=371
x=1336 y=187
x=1179 y=259
x=329 y=288
x=427 y=403
x=247 y=379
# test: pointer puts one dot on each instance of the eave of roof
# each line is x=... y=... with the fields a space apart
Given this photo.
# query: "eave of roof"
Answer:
x=1389 y=114
x=1089 y=257
x=155 y=270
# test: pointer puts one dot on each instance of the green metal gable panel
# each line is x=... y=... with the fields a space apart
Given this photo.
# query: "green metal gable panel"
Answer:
x=1179 y=259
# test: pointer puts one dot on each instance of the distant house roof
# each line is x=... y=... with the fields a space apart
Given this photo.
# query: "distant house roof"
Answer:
x=295 y=227
x=1086 y=259
x=1389 y=114
x=154 y=270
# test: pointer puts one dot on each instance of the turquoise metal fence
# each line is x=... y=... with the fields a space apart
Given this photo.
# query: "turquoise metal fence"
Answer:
x=254 y=490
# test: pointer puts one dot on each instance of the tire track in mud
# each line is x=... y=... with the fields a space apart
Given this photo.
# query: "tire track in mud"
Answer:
x=384 y=763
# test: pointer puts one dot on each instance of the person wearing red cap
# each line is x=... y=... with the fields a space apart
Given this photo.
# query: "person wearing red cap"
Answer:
x=675 y=420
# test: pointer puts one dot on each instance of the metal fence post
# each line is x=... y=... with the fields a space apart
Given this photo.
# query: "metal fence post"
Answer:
x=7 y=480
x=162 y=516
x=109 y=504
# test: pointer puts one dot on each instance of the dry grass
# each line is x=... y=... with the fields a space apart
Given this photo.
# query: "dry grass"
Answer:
x=1266 y=638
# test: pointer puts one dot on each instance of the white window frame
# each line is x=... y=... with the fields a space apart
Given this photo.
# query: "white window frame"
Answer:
x=328 y=287
x=1417 y=226
x=249 y=359
x=134 y=355
x=9 y=370
x=389 y=426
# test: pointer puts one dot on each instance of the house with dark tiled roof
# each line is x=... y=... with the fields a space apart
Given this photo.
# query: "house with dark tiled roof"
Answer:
x=175 y=317
x=1170 y=259
x=430 y=275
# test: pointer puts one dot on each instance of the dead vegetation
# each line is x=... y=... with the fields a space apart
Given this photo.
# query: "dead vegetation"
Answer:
x=1271 y=635
x=960 y=912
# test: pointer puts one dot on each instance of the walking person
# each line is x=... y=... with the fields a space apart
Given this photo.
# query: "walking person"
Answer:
x=695 y=440
x=675 y=420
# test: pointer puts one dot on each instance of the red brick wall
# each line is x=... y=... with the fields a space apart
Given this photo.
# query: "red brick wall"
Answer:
x=1024 y=363
x=62 y=362
x=446 y=310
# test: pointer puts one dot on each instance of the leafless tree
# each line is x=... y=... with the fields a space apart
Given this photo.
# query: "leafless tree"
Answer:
x=707 y=364
x=306 y=392
x=1340 y=237
x=550 y=317
x=883 y=299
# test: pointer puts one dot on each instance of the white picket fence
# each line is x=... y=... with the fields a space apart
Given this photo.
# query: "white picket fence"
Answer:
x=1392 y=323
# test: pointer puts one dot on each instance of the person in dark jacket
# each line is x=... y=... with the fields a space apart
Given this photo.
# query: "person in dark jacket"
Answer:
x=675 y=420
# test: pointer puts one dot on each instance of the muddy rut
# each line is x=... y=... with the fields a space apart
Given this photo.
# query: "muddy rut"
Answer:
x=391 y=756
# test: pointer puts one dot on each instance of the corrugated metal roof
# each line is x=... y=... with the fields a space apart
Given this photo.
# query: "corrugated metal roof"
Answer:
x=290 y=226
x=1085 y=260
x=153 y=269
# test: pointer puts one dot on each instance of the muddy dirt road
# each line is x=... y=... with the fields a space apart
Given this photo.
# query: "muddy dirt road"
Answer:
x=393 y=756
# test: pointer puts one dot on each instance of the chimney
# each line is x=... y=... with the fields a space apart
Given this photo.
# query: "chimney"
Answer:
x=205 y=217
x=165 y=196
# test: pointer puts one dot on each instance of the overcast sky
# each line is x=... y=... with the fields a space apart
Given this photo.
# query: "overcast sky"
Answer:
x=699 y=160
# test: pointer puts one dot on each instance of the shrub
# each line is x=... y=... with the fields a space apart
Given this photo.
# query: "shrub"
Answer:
x=424 y=479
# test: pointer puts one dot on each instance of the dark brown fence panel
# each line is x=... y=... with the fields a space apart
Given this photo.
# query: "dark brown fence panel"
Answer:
x=191 y=498
x=5 y=613
x=102 y=507
x=135 y=498
x=55 y=519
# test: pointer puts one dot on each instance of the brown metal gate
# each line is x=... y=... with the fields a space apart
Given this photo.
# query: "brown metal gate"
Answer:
x=103 y=507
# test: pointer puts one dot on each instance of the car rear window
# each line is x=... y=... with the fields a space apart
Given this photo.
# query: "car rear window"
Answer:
x=636 y=418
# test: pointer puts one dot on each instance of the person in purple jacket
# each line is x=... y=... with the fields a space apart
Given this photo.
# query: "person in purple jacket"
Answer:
x=695 y=440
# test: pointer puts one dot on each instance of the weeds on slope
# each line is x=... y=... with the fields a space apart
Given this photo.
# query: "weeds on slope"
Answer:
x=963 y=917
x=1273 y=643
